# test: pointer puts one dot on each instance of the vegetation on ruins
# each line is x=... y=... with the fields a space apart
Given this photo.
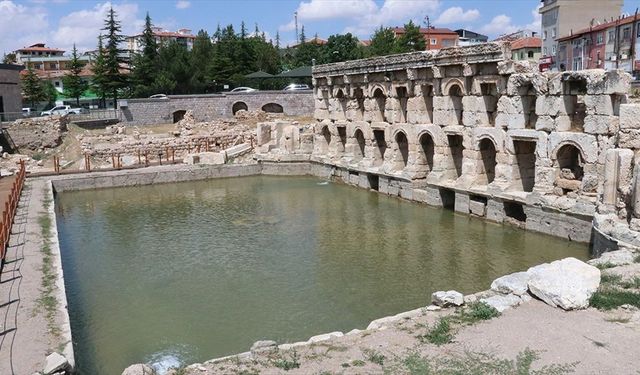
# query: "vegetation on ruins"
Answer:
x=614 y=291
x=443 y=330
x=74 y=85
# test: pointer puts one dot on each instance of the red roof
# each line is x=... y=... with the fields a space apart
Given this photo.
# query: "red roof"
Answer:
x=602 y=26
x=39 y=47
x=530 y=42
x=424 y=30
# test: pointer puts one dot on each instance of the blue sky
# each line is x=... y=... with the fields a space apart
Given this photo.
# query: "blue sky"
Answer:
x=60 y=23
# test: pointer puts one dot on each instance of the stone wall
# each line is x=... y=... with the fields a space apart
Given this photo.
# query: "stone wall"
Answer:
x=210 y=107
x=10 y=91
x=471 y=129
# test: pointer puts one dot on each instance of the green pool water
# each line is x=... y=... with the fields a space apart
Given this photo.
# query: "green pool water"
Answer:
x=180 y=273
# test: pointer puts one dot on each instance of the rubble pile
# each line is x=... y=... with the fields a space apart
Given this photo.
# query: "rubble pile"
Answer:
x=38 y=133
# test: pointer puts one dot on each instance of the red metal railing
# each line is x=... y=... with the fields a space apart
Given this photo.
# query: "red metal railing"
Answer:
x=9 y=212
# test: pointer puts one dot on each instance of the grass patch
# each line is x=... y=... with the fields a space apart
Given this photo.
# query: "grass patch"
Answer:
x=610 y=279
x=358 y=363
x=605 y=265
x=631 y=284
x=442 y=332
x=477 y=364
x=637 y=259
x=290 y=363
x=609 y=299
x=374 y=356
x=47 y=301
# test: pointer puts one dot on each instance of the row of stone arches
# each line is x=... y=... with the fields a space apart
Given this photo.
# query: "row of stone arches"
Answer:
x=269 y=107
x=446 y=154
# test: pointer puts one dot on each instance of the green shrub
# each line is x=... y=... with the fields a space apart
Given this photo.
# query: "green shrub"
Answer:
x=440 y=334
x=608 y=299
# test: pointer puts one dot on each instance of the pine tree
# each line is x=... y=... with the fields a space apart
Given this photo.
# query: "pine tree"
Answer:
x=32 y=87
x=113 y=56
x=50 y=93
x=382 y=42
x=278 y=39
x=243 y=31
x=303 y=38
x=201 y=57
x=99 y=82
x=74 y=85
x=411 y=40
x=144 y=64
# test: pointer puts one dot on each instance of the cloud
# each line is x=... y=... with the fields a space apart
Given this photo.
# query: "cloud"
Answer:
x=503 y=24
x=183 y=4
x=456 y=15
x=83 y=27
x=21 y=25
x=366 y=15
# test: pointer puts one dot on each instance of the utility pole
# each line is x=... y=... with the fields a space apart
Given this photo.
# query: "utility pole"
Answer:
x=295 y=17
x=428 y=23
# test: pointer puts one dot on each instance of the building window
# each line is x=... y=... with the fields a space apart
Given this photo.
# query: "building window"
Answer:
x=612 y=36
x=553 y=50
x=553 y=32
x=433 y=42
x=544 y=51
x=626 y=33
x=530 y=54
x=521 y=55
x=638 y=28
x=600 y=39
x=56 y=83
x=544 y=35
x=448 y=42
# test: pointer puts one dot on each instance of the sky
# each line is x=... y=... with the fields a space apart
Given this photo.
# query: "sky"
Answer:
x=61 y=23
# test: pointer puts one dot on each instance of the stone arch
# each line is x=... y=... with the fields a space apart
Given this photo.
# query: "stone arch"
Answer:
x=427 y=150
x=569 y=162
x=446 y=86
x=380 y=101
x=342 y=102
x=272 y=108
x=178 y=115
x=437 y=134
x=360 y=144
x=237 y=106
x=488 y=156
x=455 y=93
x=401 y=157
x=377 y=86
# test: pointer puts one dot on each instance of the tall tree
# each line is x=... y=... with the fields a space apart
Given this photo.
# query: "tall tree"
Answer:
x=144 y=70
x=201 y=57
x=32 y=87
x=9 y=58
x=74 y=85
x=99 y=69
x=278 y=39
x=50 y=93
x=382 y=42
x=114 y=56
x=303 y=38
x=342 y=48
x=411 y=40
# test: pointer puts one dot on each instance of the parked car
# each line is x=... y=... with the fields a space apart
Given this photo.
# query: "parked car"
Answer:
x=159 y=96
x=296 y=87
x=61 y=110
x=243 y=89
x=26 y=112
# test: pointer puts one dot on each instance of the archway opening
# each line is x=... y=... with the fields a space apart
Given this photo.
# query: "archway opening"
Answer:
x=359 y=95
x=528 y=98
x=427 y=146
x=490 y=97
x=360 y=150
x=381 y=102
x=488 y=155
x=380 y=147
x=342 y=136
x=427 y=97
x=570 y=163
x=403 y=99
x=326 y=135
x=402 y=154
x=455 y=95
x=525 y=177
x=237 y=106
x=456 y=152
x=342 y=103
x=273 y=108
x=178 y=115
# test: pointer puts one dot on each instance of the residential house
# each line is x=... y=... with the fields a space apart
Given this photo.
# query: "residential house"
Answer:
x=467 y=38
x=436 y=38
x=561 y=17
x=609 y=45
x=162 y=36
x=527 y=49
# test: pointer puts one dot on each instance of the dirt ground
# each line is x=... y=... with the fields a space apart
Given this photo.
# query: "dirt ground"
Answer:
x=556 y=341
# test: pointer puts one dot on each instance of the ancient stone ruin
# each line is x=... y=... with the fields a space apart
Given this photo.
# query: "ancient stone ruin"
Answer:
x=470 y=129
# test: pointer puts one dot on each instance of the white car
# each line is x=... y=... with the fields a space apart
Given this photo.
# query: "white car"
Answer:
x=296 y=87
x=243 y=89
x=61 y=110
x=159 y=96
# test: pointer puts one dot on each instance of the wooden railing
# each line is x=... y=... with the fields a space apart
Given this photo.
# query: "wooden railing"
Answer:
x=10 y=208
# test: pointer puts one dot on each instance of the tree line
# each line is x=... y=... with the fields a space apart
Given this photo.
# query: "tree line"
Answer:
x=215 y=61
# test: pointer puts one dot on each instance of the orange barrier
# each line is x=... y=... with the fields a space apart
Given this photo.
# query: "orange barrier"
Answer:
x=10 y=208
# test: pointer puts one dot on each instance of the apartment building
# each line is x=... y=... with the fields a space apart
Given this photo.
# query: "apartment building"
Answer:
x=609 y=45
x=435 y=38
x=527 y=49
x=162 y=36
x=38 y=50
x=561 y=17
x=467 y=37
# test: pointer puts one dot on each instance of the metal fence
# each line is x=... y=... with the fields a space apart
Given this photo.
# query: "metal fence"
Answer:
x=86 y=114
x=10 y=207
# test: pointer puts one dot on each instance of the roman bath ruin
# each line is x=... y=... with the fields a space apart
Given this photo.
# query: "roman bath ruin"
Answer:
x=423 y=189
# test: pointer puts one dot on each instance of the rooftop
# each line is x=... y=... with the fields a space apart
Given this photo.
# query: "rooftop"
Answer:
x=530 y=42
x=39 y=47
x=598 y=27
x=424 y=30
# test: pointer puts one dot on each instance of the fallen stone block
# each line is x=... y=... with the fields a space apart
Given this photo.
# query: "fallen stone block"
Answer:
x=55 y=362
x=616 y=258
x=325 y=337
x=566 y=283
x=502 y=303
x=515 y=283
x=449 y=298
x=263 y=346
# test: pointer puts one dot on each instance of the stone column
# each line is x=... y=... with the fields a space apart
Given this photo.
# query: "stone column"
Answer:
x=610 y=188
